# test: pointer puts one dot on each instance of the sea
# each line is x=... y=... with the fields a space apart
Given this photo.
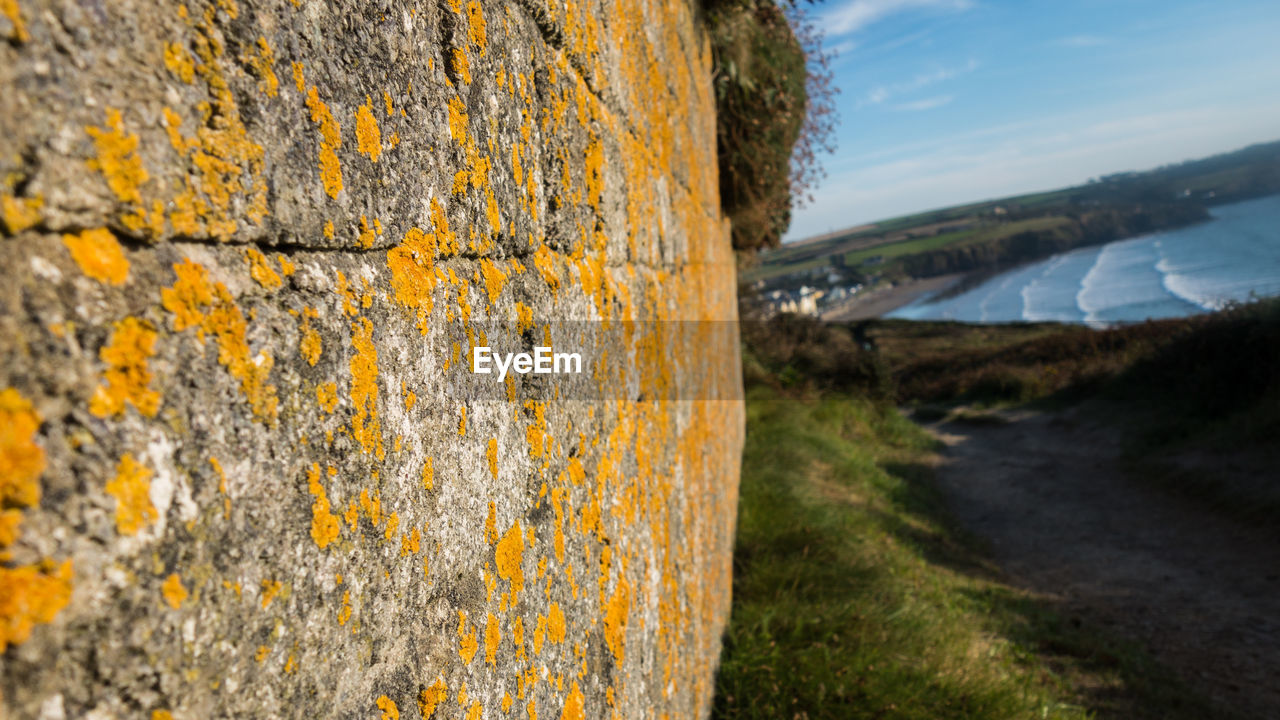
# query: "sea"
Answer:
x=1233 y=257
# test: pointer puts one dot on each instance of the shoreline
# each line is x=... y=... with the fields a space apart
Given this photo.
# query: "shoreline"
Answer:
x=883 y=300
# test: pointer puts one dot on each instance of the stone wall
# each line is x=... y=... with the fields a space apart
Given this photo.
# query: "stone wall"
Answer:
x=244 y=468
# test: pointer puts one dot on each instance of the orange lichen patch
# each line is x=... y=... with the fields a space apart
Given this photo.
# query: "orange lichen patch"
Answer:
x=555 y=624
x=509 y=556
x=325 y=527
x=574 y=705
x=460 y=64
x=492 y=638
x=328 y=229
x=372 y=506
x=262 y=62
x=287 y=267
x=393 y=524
x=99 y=255
x=330 y=141
x=388 y=708
x=131 y=488
x=9 y=8
x=173 y=592
x=594 y=169
x=368 y=137
x=428 y=475
x=615 y=620
x=476 y=27
x=179 y=62
x=431 y=698
x=366 y=428
x=189 y=295
x=462 y=421
x=117 y=158
x=493 y=457
x=327 y=396
x=127 y=376
x=31 y=595
x=367 y=236
x=298 y=81
x=494 y=279
x=309 y=344
x=19 y=214
x=544 y=260
x=270 y=588
x=260 y=269
x=410 y=542
x=226 y=322
x=386 y=99
x=467 y=644
x=161 y=715
x=21 y=459
x=262 y=653
x=344 y=613
x=10 y=527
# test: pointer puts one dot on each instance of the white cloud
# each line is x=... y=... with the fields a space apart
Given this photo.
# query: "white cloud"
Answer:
x=925 y=104
x=881 y=93
x=857 y=14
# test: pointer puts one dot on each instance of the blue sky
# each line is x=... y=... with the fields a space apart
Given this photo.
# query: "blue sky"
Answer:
x=950 y=101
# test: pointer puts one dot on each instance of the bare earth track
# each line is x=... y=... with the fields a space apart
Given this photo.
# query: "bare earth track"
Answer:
x=1062 y=519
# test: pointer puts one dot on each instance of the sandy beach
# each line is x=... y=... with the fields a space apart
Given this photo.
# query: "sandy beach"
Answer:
x=877 y=302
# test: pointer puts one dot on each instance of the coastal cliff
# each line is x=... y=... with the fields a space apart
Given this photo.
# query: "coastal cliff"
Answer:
x=245 y=470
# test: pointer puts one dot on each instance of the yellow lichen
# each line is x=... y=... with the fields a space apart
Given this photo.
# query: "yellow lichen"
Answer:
x=260 y=269
x=344 y=614
x=117 y=158
x=428 y=475
x=309 y=344
x=574 y=705
x=31 y=595
x=173 y=591
x=467 y=644
x=461 y=65
x=492 y=637
x=99 y=255
x=327 y=396
x=131 y=488
x=298 y=80
x=261 y=63
x=19 y=214
x=476 y=27
x=226 y=323
x=493 y=457
x=330 y=141
x=615 y=620
x=388 y=708
x=21 y=459
x=127 y=377
x=18 y=34
x=509 y=556
x=368 y=137
x=189 y=295
x=366 y=428
x=431 y=698
x=494 y=279
x=179 y=62
x=325 y=527
x=270 y=588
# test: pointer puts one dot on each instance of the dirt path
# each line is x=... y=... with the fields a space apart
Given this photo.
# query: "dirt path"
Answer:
x=1062 y=519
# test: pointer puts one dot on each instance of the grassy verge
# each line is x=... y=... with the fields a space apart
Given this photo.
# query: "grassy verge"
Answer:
x=854 y=598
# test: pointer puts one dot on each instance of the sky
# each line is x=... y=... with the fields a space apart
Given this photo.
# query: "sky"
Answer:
x=945 y=102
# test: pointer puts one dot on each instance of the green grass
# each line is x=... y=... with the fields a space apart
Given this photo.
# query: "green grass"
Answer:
x=906 y=247
x=855 y=598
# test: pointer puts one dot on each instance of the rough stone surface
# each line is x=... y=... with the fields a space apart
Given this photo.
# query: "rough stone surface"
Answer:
x=244 y=471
